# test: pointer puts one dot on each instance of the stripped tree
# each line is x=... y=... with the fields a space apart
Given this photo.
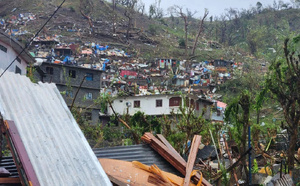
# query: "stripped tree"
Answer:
x=284 y=83
x=130 y=6
x=200 y=31
x=86 y=8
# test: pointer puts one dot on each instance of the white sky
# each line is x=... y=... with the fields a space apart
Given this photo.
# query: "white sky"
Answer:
x=215 y=7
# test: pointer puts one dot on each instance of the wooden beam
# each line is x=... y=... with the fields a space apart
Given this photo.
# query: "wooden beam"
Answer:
x=116 y=181
x=230 y=160
x=170 y=147
x=191 y=160
x=19 y=153
x=10 y=181
x=178 y=163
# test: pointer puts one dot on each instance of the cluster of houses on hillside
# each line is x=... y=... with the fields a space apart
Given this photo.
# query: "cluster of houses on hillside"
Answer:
x=83 y=72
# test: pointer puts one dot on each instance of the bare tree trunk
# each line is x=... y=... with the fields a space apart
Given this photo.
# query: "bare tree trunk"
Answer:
x=186 y=34
x=89 y=19
x=292 y=146
x=201 y=28
x=128 y=27
x=114 y=16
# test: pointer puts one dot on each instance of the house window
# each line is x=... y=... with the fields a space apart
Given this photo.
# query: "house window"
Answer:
x=88 y=96
x=18 y=70
x=89 y=77
x=49 y=70
x=159 y=103
x=72 y=73
x=18 y=59
x=3 y=48
x=136 y=104
x=174 y=101
x=69 y=94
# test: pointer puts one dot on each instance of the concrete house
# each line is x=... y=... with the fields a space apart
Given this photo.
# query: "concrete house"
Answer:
x=202 y=105
x=160 y=104
x=68 y=79
x=153 y=105
x=9 y=50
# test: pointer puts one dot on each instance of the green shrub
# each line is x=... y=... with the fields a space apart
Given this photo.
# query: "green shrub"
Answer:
x=153 y=29
x=181 y=42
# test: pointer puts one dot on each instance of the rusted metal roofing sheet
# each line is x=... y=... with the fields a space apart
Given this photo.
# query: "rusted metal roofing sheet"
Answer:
x=56 y=147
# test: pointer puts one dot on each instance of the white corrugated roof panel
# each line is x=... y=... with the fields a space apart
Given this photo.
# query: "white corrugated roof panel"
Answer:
x=57 y=149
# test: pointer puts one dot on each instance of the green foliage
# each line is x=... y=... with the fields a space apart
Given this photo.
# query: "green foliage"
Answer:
x=111 y=132
x=176 y=139
x=5 y=152
x=102 y=101
x=93 y=134
x=187 y=124
x=181 y=42
x=255 y=167
x=153 y=29
x=72 y=9
x=236 y=116
x=296 y=39
x=30 y=74
x=225 y=175
x=283 y=83
x=141 y=123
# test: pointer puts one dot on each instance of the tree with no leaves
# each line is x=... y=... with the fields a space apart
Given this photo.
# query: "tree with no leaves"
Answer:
x=179 y=12
x=200 y=31
x=130 y=6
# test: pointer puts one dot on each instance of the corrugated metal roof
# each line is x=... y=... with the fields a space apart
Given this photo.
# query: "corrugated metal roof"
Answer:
x=57 y=149
x=142 y=153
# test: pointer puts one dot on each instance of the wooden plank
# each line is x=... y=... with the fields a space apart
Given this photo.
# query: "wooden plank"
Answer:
x=170 y=147
x=230 y=160
x=116 y=181
x=10 y=181
x=166 y=153
x=172 y=158
x=191 y=160
x=124 y=172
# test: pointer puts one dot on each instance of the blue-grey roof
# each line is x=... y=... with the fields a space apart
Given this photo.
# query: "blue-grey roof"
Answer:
x=142 y=153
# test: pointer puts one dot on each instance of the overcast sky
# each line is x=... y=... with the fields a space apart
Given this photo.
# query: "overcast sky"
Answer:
x=215 y=7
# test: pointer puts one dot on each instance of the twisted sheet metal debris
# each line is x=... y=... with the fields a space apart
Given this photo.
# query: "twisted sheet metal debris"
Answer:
x=57 y=149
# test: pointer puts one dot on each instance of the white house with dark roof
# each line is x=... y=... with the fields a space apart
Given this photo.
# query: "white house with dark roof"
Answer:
x=9 y=50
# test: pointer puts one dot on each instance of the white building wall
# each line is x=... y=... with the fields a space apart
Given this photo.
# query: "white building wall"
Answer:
x=147 y=105
x=8 y=57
